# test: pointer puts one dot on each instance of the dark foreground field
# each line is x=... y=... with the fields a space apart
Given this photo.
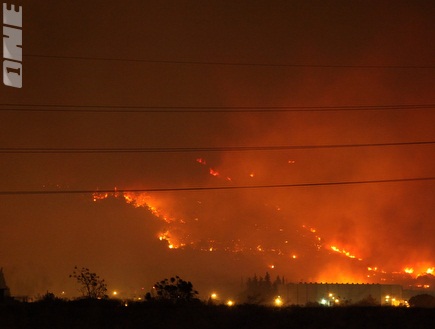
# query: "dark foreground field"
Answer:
x=111 y=314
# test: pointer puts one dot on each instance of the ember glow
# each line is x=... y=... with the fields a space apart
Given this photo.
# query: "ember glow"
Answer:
x=344 y=252
x=172 y=243
x=181 y=234
x=409 y=270
x=212 y=171
x=420 y=269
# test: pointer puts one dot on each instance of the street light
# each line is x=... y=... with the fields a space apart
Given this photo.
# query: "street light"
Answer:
x=278 y=301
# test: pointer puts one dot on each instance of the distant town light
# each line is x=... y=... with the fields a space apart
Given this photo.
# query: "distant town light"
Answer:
x=278 y=301
x=230 y=303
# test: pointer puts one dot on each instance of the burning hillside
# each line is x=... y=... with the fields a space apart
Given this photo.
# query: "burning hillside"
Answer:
x=259 y=223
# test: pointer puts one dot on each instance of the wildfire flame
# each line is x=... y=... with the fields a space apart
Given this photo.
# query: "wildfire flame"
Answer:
x=100 y=196
x=152 y=205
x=344 y=252
x=173 y=235
x=212 y=171
x=419 y=270
x=172 y=244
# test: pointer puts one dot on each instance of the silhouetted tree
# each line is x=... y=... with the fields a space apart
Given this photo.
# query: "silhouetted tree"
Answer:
x=91 y=286
x=278 y=282
x=174 y=290
x=423 y=300
x=49 y=297
x=255 y=281
x=367 y=301
x=260 y=290
x=249 y=283
x=267 y=281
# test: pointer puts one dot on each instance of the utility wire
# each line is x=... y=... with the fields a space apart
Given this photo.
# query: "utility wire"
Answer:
x=199 y=149
x=203 y=109
x=382 y=181
x=216 y=63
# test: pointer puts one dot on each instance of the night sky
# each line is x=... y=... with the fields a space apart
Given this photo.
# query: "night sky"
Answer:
x=208 y=76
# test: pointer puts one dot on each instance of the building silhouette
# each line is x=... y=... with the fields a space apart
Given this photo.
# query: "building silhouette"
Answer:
x=4 y=290
x=330 y=294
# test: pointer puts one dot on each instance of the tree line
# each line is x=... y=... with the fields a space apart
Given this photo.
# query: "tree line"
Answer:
x=261 y=290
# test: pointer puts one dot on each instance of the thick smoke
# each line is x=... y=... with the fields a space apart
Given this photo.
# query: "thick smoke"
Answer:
x=228 y=234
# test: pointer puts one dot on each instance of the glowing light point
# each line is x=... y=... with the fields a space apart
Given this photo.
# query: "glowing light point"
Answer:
x=213 y=172
x=114 y=293
x=230 y=303
x=278 y=301
x=214 y=296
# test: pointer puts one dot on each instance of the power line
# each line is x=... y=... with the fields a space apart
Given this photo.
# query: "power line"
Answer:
x=199 y=149
x=203 y=109
x=400 y=180
x=217 y=63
